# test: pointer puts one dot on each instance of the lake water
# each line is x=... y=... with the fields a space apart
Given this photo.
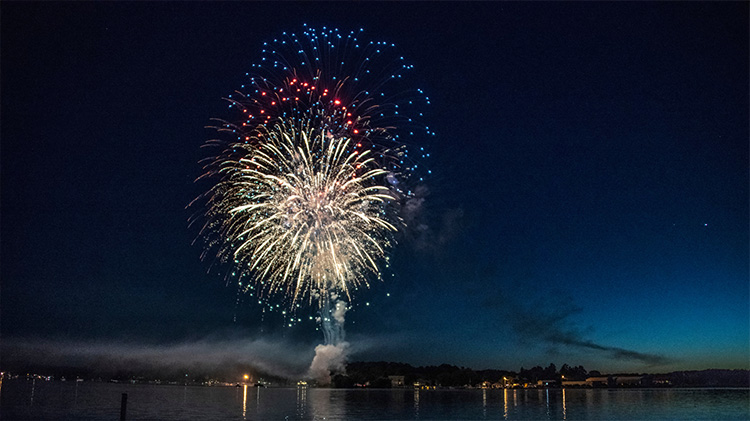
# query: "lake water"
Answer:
x=41 y=400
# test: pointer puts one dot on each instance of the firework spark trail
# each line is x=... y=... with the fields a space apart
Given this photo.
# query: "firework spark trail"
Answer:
x=300 y=222
x=312 y=175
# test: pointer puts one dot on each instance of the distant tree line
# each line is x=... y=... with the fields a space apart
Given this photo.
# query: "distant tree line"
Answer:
x=710 y=378
x=534 y=374
x=375 y=375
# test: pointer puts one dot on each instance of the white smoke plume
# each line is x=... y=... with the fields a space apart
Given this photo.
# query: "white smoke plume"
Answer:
x=221 y=356
x=330 y=358
x=340 y=312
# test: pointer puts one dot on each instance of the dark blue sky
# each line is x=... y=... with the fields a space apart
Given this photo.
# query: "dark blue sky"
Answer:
x=589 y=203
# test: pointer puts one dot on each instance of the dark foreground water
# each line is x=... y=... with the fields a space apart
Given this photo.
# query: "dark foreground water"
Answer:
x=39 y=400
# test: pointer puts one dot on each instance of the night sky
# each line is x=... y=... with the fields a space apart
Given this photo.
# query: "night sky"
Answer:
x=588 y=205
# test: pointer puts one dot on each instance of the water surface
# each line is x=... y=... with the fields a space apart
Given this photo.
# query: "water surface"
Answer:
x=40 y=400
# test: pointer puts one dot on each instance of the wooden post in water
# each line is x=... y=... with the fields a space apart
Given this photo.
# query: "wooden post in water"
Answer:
x=123 y=406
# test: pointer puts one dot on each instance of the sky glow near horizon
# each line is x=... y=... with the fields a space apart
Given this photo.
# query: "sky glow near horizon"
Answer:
x=587 y=204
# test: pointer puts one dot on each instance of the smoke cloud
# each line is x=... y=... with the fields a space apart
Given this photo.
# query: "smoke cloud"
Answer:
x=209 y=357
x=339 y=312
x=331 y=356
x=329 y=359
x=549 y=321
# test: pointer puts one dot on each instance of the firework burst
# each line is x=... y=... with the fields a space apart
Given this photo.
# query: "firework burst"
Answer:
x=312 y=173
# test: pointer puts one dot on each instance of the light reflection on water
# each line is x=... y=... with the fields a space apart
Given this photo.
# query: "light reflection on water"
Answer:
x=484 y=403
x=416 y=404
x=22 y=399
x=505 y=404
x=244 y=401
x=33 y=389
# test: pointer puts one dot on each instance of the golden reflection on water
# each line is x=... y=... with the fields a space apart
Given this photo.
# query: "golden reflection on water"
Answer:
x=244 y=401
x=301 y=401
x=505 y=403
x=565 y=408
x=484 y=403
